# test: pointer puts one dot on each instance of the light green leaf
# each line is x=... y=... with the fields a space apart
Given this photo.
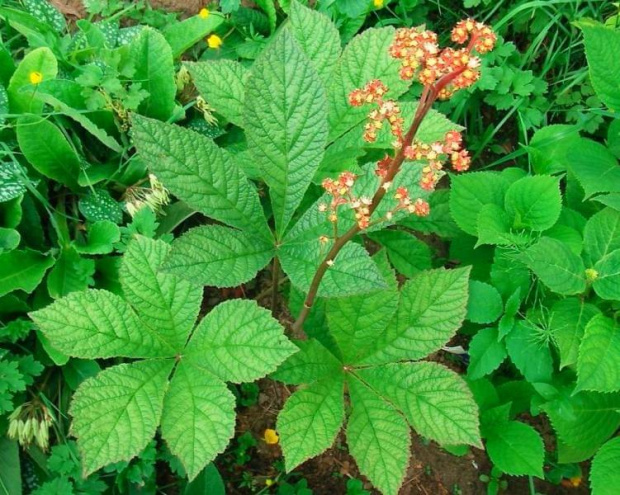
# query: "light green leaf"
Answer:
x=601 y=234
x=607 y=283
x=547 y=148
x=10 y=476
x=515 y=448
x=318 y=37
x=218 y=256
x=494 y=227
x=183 y=35
x=22 y=270
x=605 y=469
x=9 y=239
x=311 y=363
x=198 y=418
x=222 y=84
x=200 y=173
x=310 y=420
x=594 y=166
x=598 y=365
x=534 y=202
x=529 y=352
x=71 y=273
x=434 y=399
x=116 y=413
x=21 y=90
x=238 y=341
x=407 y=253
x=556 y=266
x=97 y=324
x=11 y=184
x=486 y=353
x=470 y=192
x=286 y=123
x=568 y=322
x=431 y=309
x=102 y=236
x=152 y=59
x=47 y=149
x=484 y=304
x=378 y=438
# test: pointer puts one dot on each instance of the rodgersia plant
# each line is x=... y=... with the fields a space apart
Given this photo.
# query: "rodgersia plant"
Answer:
x=305 y=112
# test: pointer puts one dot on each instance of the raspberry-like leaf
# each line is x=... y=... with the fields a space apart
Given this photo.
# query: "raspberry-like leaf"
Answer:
x=313 y=362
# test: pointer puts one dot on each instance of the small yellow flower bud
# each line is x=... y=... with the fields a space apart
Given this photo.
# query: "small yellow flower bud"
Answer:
x=35 y=78
x=271 y=437
x=269 y=482
x=378 y=3
x=203 y=14
x=214 y=41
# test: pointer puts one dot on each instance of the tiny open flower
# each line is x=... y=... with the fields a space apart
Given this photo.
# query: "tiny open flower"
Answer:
x=378 y=3
x=323 y=239
x=591 y=275
x=203 y=14
x=322 y=207
x=35 y=78
x=271 y=437
x=460 y=160
x=214 y=41
x=420 y=208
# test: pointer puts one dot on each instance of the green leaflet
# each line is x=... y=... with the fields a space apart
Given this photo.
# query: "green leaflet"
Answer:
x=133 y=395
x=198 y=418
x=286 y=123
x=21 y=90
x=378 y=438
x=222 y=84
x=48 y=150
x=556 y=266
x=598 y=364
x=218 y=256
x=311 y=419
x=406 y=252
x=238 y=341
x=594 y=166
x=154 y=68
x=601 y=235
x=607 y=283
x=515 y=448
x=183 y=35
x=200 y=173
x=605 y=470
x=102 y=236
x=22 y=270
x=10 y=476
x=484 y=303
x=164 y=302
x=434 y=399
x=486 y=353
x=534 y=202
x=70 y=273
x=318 y=37
x=313 y=362
x=529 y=353
x=416 y=330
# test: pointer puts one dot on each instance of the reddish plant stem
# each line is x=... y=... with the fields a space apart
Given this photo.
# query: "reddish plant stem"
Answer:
x=427 y=99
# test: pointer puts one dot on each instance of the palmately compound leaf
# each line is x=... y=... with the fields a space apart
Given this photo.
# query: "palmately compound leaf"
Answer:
x=598 y=365
x=605 y=470
x=116 y=413
x=311 y=419
x=286 y=123
x=515 y=448
x=534 y=202
x=238 y=341
x=431 y=309
x=435 y=400
x=166 y=303
x=222 y=84
x=313 y=362
x=198 y=418
x=378 y=437
x=200 y=173
x=97 y=324
x=218 y=256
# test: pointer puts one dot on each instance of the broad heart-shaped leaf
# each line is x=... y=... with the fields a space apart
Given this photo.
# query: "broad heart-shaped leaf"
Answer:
x=601 y=41
x=594 y=167
x=601 y=235
x=286 y=123
x=568 y=322
x=200 y=173
x=607 y=283
x=378 y=438
x=198 y=418
x=222 y=84
x=218 y=256
x=20 y=90
x=353 y=271
x=470 y=192
x=431 y=309
x=598 y=365
x=365 y=58
x=486 y=353
x=534 y=202
x=317 y=36
x=98 y=324
x=311 y=419
x=238 y=341
x=167 y=304
x=152 y=58
x=592 y=418
x=435 y=400
x=515 y=448
x=311 y=363
x=22 y=270
x=116 y=413
x=605 y=469
x=556 y=266
x=47 y=149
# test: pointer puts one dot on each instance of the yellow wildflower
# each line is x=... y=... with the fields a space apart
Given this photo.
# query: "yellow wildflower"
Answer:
x=35 y=77
x=214 y=41
x=378 y=3
x=203 y=14
x=271 y=437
